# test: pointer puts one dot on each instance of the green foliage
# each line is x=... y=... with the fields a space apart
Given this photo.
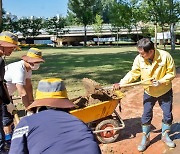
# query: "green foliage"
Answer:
x=10 y=22
x=82 y=10
x=120 y=15
x=162 y=11
x=149 y=31
x=23 y=26
x=103 y=8
x=30 y=27
x=54 y=25
x=97 y=26
x=35 y=25
x=71 y=19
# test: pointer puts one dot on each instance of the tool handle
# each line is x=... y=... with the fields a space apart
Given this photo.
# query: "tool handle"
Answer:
x=143 y=82
x=16 y=117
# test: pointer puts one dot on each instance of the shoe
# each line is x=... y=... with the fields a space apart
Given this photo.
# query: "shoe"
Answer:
x=165 y=136
x=145 y=138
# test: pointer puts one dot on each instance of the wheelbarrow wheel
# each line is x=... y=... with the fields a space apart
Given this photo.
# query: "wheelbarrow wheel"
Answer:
x=107 y=136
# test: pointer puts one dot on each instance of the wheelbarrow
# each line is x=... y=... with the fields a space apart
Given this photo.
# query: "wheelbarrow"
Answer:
x=103 y=119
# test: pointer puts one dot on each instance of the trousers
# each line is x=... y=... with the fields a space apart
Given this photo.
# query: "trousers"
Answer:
x=165 y=102
x=2 y=135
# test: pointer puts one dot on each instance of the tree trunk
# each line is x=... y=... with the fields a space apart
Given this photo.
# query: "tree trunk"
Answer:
x=0 y=15
x=85 y=36
x=172 y=37
x=155 y=36
x=117 y=36
x=164 y=43
x=137 y=33
x=98 y=40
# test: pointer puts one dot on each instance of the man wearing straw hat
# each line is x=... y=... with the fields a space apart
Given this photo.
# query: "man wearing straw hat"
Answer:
x=8 y=43
x=18 y=77
x=52 y=130
x=23 y=70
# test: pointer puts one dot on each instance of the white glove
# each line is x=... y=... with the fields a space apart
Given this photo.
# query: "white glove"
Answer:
x=155 y=83
x=29 y=113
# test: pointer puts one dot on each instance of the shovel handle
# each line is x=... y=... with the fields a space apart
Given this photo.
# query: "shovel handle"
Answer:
x=143 y=82
x=16 y=117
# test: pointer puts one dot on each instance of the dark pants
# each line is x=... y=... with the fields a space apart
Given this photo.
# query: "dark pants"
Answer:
x=2 y=136
x=165 y=102
x=7 y=118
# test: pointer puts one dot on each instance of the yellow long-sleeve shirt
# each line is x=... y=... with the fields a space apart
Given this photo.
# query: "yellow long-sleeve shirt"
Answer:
x=161 y=69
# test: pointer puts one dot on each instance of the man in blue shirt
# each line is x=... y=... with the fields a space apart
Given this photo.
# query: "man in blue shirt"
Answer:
x=52 y=130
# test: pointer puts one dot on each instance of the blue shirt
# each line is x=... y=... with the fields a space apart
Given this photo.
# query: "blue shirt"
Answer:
x=53 y=132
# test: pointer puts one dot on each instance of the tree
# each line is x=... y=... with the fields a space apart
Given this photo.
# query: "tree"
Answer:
x=150 y=9
x=10 y=22
x=30 y=27
x=71 y=19
x=83 y=11
x=97 y=26
x=102 y=8
x=120 y=16
x=54 y=25
x=137 y=14
x=162 y=12
x=35 y=26
x=1 y=10
x=174 y=16
x=23 y=27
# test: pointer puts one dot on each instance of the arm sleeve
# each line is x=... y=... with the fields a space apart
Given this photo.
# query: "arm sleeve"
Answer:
x=134 y=74
x=170 y=71
x=19 y=139
x=19 y=78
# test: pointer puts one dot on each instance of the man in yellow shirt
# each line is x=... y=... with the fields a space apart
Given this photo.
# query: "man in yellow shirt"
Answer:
x=159 y=65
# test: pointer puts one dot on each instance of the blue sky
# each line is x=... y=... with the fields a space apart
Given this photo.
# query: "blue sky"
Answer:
x=38 y=8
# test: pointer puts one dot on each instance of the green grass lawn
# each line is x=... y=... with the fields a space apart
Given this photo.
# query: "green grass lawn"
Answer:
x=105 y=65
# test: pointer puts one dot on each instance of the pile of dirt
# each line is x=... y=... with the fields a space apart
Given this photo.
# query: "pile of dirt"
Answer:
x=95 y=94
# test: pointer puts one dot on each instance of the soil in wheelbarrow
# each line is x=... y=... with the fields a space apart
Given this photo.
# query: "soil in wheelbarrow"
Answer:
x=94 y=94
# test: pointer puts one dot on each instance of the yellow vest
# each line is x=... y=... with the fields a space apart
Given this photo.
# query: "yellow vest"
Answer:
x=161 y=69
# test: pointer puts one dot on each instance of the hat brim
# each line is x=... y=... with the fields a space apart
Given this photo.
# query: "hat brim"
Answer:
x=32 y=60
x=7 y=44
x=52 y=102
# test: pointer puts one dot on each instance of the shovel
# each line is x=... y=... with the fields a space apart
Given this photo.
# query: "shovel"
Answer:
x=143 y=83
x=92 y=87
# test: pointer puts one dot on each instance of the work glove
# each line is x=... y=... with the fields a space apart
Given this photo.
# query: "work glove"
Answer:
x=29 y=113
x=116 y=86
x=155 y=83
x=11 y=108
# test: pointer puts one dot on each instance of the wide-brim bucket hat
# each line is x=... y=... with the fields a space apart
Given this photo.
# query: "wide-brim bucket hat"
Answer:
x=51 y=93
x=34 y=55
x=8 y=39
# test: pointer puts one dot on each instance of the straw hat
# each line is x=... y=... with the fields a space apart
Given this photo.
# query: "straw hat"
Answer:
x=34 y=55
x=51 y=93
x=8 y=39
